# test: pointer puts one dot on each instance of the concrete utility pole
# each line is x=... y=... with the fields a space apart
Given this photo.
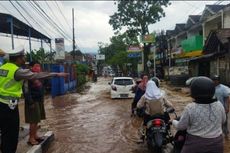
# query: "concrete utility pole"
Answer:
x=73 y=35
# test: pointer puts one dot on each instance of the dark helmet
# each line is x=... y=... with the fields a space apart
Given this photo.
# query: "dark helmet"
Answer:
x=138 y=81
x=202 y=88
x=216 y=78
x=156 y=80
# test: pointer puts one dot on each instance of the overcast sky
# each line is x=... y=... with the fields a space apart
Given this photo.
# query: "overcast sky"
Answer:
x=91 y=20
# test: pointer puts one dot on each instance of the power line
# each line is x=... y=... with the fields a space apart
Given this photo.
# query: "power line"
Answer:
x=32 y=17
x=43 y=17
x=21 y=14
x=55 y=16
x=63 y=15
x=47 y=18
x=63 y=33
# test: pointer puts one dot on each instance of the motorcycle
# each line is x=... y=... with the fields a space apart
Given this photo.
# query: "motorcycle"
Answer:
x=179 y=138
x=158 y=133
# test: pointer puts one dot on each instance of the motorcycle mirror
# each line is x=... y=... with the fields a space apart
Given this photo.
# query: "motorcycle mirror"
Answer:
x=170 y=110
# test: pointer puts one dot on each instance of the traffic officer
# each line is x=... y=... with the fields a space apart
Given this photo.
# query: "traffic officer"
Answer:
x=11 y=81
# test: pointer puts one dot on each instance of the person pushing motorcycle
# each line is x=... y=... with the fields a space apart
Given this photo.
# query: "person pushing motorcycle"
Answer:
x=203 y=119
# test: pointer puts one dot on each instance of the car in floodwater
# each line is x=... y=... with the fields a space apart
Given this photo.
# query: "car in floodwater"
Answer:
x=121 y=87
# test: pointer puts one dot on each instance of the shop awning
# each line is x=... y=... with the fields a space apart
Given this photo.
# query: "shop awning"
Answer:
x=203 y=57
x=190 y=54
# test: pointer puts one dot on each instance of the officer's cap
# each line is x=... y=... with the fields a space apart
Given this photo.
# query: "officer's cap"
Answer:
x=2 y=53
x=18 y=51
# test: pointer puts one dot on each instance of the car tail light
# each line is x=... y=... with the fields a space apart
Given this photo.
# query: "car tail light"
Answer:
x=157 y=122
x=114 y=88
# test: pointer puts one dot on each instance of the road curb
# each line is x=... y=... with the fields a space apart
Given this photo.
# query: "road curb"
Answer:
x=43 y=147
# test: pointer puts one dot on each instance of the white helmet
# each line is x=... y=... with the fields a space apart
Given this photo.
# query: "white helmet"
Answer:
x=2 y=53
x=17 y=51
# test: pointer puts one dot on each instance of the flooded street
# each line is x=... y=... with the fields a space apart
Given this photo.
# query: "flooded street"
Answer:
x=92 y=122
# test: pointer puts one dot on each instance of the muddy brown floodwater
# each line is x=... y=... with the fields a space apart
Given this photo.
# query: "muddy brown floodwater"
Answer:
x=92 y=122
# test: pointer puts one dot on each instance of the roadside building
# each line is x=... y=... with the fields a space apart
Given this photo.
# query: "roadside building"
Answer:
x=200 y=46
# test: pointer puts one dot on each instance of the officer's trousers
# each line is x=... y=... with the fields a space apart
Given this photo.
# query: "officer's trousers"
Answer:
x=9 y=128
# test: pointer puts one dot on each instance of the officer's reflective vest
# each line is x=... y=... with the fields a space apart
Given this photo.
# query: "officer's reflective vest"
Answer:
x=10 y=89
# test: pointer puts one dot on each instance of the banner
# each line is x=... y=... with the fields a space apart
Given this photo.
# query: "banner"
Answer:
x=134 y=49
x=60 y=48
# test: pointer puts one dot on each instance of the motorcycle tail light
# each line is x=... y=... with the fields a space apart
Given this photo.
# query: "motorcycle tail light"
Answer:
x=157 y=122
x=114 y=88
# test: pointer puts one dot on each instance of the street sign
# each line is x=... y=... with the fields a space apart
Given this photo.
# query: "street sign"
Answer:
x=134 y=55
x=60 y=48
x=149 y=63
x=100 y=57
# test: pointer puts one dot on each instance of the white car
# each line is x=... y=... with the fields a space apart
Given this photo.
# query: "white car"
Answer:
x=121 y=87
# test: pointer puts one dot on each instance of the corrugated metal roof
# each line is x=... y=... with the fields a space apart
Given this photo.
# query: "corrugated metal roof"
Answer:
x=20 y=28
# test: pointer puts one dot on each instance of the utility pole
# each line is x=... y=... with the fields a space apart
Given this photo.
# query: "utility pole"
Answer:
x=73 y=35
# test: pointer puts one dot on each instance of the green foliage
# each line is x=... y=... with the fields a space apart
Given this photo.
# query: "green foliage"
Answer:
x=116 y=52
x=137 y=15
x=41 y=56
x=82 y=71
x=81 y=80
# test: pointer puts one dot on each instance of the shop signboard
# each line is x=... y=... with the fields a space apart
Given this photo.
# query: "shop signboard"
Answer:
x=148 y=38
x=134 y=55
x=134 y=49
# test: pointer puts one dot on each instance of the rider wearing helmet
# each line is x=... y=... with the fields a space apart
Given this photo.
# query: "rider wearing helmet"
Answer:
x=203 y=119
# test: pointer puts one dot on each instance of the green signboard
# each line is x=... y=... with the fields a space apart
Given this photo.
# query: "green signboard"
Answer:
x=148 y=38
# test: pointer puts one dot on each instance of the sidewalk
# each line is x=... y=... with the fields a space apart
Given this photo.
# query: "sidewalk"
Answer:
x=23 y=147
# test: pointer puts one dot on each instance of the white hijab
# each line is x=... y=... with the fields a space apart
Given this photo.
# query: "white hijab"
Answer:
x=152 y=91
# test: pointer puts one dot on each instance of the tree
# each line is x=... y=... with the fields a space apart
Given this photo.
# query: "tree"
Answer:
x=116 y=51
x=136 y=16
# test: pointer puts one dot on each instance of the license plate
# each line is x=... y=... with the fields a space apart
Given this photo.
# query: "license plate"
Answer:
x=123 y=95
x=160 y=129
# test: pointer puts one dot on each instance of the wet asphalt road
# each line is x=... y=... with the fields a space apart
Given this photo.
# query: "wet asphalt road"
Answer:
x=91 y=122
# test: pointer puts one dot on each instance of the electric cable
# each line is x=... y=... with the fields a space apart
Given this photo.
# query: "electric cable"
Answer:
x=21 y=14
x=54 y=30
x=62 y=15
x=32 y=17
x=55 y=16
x=51 y=20
x=47 y=19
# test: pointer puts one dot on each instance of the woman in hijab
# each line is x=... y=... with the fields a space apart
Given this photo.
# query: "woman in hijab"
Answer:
x=154 y=101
